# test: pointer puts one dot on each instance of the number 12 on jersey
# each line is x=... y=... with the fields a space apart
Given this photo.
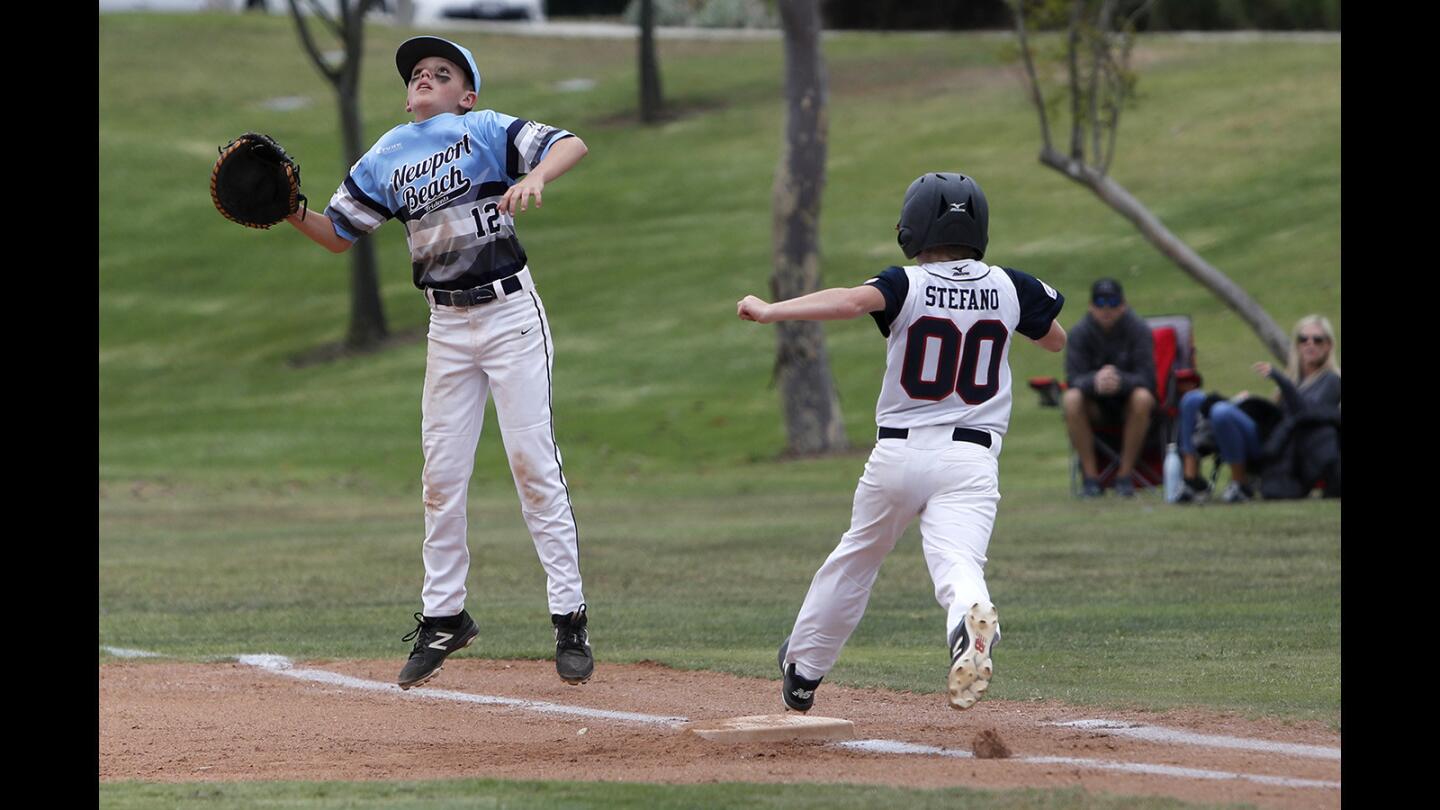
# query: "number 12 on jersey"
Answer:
x=487 y=226
x=957 y=366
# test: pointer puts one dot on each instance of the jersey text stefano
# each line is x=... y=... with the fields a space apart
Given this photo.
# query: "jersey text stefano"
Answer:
x=949 y=328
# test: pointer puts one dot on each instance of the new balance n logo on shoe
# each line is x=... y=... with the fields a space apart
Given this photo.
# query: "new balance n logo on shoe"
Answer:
x=797 y=692
x=432 y=645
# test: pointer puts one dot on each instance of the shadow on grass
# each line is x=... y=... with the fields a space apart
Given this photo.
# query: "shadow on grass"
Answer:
x=330 y=352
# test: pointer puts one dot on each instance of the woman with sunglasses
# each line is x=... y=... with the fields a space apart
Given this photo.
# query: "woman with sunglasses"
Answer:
x=1312 y=364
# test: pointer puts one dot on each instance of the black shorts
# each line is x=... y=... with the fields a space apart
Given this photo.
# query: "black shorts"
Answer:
x=1112 y=408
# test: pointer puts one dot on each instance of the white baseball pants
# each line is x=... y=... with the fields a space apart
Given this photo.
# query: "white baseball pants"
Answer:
x=953 y=487
x=501 y=348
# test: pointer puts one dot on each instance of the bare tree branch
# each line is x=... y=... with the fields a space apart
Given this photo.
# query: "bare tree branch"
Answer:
x=1111 y=84
x=1107 y=72
x=1097 y=73
x=1114 y=125
x=1137 y=14
x=1103 y=19
x=308 y=42
x=1120 y=70
x=1018 y=6
x=327 y=19
x=1123 y=80
x=353 y=28
x=1077 y=140
x=1150 y=226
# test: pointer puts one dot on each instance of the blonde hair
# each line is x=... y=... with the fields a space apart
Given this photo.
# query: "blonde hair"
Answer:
x=1293 y=366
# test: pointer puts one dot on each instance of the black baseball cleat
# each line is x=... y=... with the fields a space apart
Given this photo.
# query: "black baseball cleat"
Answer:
x=573 y=659
x=970 y=646
x=435 y=638
x=798 y=692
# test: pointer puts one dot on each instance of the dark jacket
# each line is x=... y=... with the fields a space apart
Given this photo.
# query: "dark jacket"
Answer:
x=1128 y=346
x=1304 y=449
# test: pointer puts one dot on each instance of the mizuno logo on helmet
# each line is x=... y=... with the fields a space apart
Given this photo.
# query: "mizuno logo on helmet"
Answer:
x=957 y=208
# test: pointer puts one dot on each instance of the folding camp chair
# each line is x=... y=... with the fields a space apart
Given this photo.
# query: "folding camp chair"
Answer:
x=1175 y=374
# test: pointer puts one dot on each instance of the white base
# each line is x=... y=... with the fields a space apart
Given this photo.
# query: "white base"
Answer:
x=772 y=727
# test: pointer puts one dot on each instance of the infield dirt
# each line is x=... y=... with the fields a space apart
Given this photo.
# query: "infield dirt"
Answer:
x=172 y=722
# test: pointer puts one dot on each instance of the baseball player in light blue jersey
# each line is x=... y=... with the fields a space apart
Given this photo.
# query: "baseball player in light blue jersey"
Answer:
x=944 y=407
x=455 y=178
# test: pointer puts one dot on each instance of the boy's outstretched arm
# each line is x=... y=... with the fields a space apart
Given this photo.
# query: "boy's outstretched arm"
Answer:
x=1054 y=340
x=561 y=158
x=321 y=230
x=834 y=304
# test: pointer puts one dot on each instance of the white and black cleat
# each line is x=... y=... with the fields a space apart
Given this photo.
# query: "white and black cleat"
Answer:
x=574 y=660
x=798 y=692
x=970 y=665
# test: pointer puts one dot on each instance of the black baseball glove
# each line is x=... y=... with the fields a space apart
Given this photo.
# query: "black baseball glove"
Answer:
x=255 y=183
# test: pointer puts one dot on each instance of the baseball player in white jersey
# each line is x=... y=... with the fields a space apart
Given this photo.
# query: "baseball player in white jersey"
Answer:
x=456 y=177
x=944 y=407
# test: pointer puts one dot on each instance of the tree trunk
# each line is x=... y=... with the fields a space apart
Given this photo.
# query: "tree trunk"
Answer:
x=813 y=423
x=1119 y=199
x=651 y=101
x=367 y=314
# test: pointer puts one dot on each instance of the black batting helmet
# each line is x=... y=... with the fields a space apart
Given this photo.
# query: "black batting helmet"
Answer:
x=943 y=208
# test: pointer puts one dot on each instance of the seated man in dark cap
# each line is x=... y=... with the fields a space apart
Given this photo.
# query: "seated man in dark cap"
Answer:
x=1110 y=371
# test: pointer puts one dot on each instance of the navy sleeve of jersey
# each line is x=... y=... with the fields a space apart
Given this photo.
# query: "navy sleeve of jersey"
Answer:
x=895 y=286
x=1039 y=304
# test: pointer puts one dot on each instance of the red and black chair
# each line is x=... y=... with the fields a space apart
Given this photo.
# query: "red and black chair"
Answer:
x=1175 y=375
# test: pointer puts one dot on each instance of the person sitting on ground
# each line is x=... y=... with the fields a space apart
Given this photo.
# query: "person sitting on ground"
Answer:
x=1238 y=438
x=1110 y=374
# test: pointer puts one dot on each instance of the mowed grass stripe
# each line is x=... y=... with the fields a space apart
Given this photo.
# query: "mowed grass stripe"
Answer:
x=472 y=793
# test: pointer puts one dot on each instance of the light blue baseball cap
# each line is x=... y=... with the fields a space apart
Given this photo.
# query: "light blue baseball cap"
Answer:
x=411 y=51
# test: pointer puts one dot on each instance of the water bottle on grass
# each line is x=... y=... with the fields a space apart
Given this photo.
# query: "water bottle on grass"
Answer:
x=1173 y=474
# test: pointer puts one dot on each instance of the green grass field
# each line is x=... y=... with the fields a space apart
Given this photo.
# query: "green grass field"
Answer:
x=472 y=794
x=243 y=500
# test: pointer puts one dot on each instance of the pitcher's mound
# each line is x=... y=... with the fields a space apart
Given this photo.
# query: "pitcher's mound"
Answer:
x=772 y=728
